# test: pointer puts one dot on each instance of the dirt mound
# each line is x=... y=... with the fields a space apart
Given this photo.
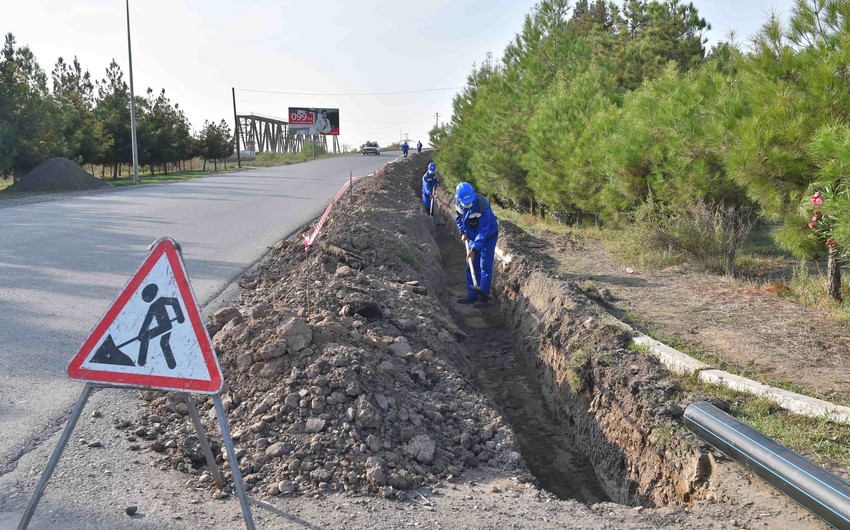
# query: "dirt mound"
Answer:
x=57 y=174
x=344 y=371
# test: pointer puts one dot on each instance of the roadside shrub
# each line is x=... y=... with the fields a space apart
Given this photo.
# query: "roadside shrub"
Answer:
x=703 y=235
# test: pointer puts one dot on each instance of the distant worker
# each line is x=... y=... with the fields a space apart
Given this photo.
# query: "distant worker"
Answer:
x=418 y=147
x=478 y=227
x=405 y=148
x=430 y=181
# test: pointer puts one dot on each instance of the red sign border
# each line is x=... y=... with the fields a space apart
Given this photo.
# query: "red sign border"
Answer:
x=213 y=386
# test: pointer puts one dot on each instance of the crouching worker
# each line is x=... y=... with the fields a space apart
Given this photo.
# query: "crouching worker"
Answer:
x=479 y=227
x=430 y=180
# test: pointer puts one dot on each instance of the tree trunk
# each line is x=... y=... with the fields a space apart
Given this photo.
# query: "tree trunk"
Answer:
x=215 y=163
x=729 y=266
x=205 y=165
x=224 y=161
x=115 y=172
x=729 y=252
x=833 y=274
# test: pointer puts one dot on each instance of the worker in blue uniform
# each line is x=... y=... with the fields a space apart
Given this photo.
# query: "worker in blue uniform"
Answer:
x=430 y=181
x=478 y=227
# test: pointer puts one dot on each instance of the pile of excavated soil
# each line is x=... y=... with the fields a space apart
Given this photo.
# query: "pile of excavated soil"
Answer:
x=343 y=370
x=57 y=174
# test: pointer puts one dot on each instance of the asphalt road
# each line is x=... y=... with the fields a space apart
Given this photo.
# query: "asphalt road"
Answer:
x=63 y=262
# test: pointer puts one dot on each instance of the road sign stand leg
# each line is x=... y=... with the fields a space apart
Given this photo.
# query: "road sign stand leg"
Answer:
x=234 y=463
x=202 y=437
x=54 y=458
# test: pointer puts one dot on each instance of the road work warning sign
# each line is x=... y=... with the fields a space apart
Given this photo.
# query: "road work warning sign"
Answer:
x=153 y=335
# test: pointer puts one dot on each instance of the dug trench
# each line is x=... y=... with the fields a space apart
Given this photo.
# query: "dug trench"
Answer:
x=350 y=369
x=504 y=373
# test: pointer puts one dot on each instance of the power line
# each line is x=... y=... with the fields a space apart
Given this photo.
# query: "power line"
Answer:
x=361 y=94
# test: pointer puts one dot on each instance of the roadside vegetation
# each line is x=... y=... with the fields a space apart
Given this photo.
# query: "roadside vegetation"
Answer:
x=88 y=120
x=617 y=116
x=825 y=442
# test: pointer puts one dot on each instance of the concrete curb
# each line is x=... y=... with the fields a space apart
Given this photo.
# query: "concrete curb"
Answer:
x=682 y=364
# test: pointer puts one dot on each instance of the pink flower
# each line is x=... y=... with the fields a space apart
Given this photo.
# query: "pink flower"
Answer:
x=812 y=224
x=816 y=199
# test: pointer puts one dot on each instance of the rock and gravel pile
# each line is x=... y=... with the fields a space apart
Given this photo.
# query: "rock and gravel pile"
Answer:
x=57 y=174
x=343 y=371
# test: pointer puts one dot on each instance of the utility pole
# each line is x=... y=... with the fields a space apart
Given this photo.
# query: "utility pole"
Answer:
x=132 y=102
x=236 y=129
x=437 y=121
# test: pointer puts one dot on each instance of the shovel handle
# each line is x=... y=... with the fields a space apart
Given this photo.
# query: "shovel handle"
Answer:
x=471 y=268
x=137 y=337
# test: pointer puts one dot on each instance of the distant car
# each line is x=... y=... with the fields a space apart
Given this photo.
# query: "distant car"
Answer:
x=371 y=148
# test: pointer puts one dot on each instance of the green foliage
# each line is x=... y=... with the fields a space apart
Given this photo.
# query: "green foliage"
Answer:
x=86 y=121
x=279 y=159
x=615 y=112
x=215 y=142
x=27 y=136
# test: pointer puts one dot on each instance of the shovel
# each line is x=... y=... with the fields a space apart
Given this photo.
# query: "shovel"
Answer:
x=431 y=208
x=475 y=286
x=109 y=353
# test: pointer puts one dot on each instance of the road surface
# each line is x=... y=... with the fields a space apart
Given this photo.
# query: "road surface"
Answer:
x=63 y=262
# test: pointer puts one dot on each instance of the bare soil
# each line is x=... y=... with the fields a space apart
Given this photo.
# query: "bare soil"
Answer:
x=750 y=326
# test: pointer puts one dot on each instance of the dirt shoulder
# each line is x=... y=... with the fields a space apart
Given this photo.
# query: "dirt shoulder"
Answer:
x=739 y=325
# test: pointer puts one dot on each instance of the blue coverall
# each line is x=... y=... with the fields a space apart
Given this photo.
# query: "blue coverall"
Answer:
x=430 y=180
x=480 y=226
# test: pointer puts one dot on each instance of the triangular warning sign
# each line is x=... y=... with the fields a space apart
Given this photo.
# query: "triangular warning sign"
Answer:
x=153 y=335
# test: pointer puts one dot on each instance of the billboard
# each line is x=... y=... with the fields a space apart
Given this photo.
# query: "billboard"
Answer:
x=310 y=121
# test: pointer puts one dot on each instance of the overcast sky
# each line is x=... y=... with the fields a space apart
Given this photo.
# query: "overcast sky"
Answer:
x=370 y=58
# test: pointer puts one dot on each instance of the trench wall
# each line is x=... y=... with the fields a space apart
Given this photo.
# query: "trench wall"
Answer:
x=622 y=408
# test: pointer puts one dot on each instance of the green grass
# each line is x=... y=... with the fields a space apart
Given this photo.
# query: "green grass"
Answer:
x=283 y=159
x=824 y=442
x=147 y=178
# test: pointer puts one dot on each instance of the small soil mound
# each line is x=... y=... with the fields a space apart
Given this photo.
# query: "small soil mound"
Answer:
x=57 y=174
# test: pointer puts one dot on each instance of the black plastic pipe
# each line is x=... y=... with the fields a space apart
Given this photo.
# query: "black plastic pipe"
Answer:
x=816 y=489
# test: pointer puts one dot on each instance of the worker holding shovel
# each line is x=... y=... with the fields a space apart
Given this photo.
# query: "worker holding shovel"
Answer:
x=479 y=231
x=430 y=181
x=158 y=311
x=110 y=353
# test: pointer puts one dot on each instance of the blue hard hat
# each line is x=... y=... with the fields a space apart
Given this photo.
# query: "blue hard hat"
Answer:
x=432 y=167
x=465 y=194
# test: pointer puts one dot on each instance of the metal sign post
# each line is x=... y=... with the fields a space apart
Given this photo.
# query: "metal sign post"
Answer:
x=54 y=458
x=202 y=437
x=184 y=360
x=234 y=463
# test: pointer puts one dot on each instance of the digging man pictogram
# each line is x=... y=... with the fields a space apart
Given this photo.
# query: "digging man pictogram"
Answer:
x=158 y=311
x=109 y=353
